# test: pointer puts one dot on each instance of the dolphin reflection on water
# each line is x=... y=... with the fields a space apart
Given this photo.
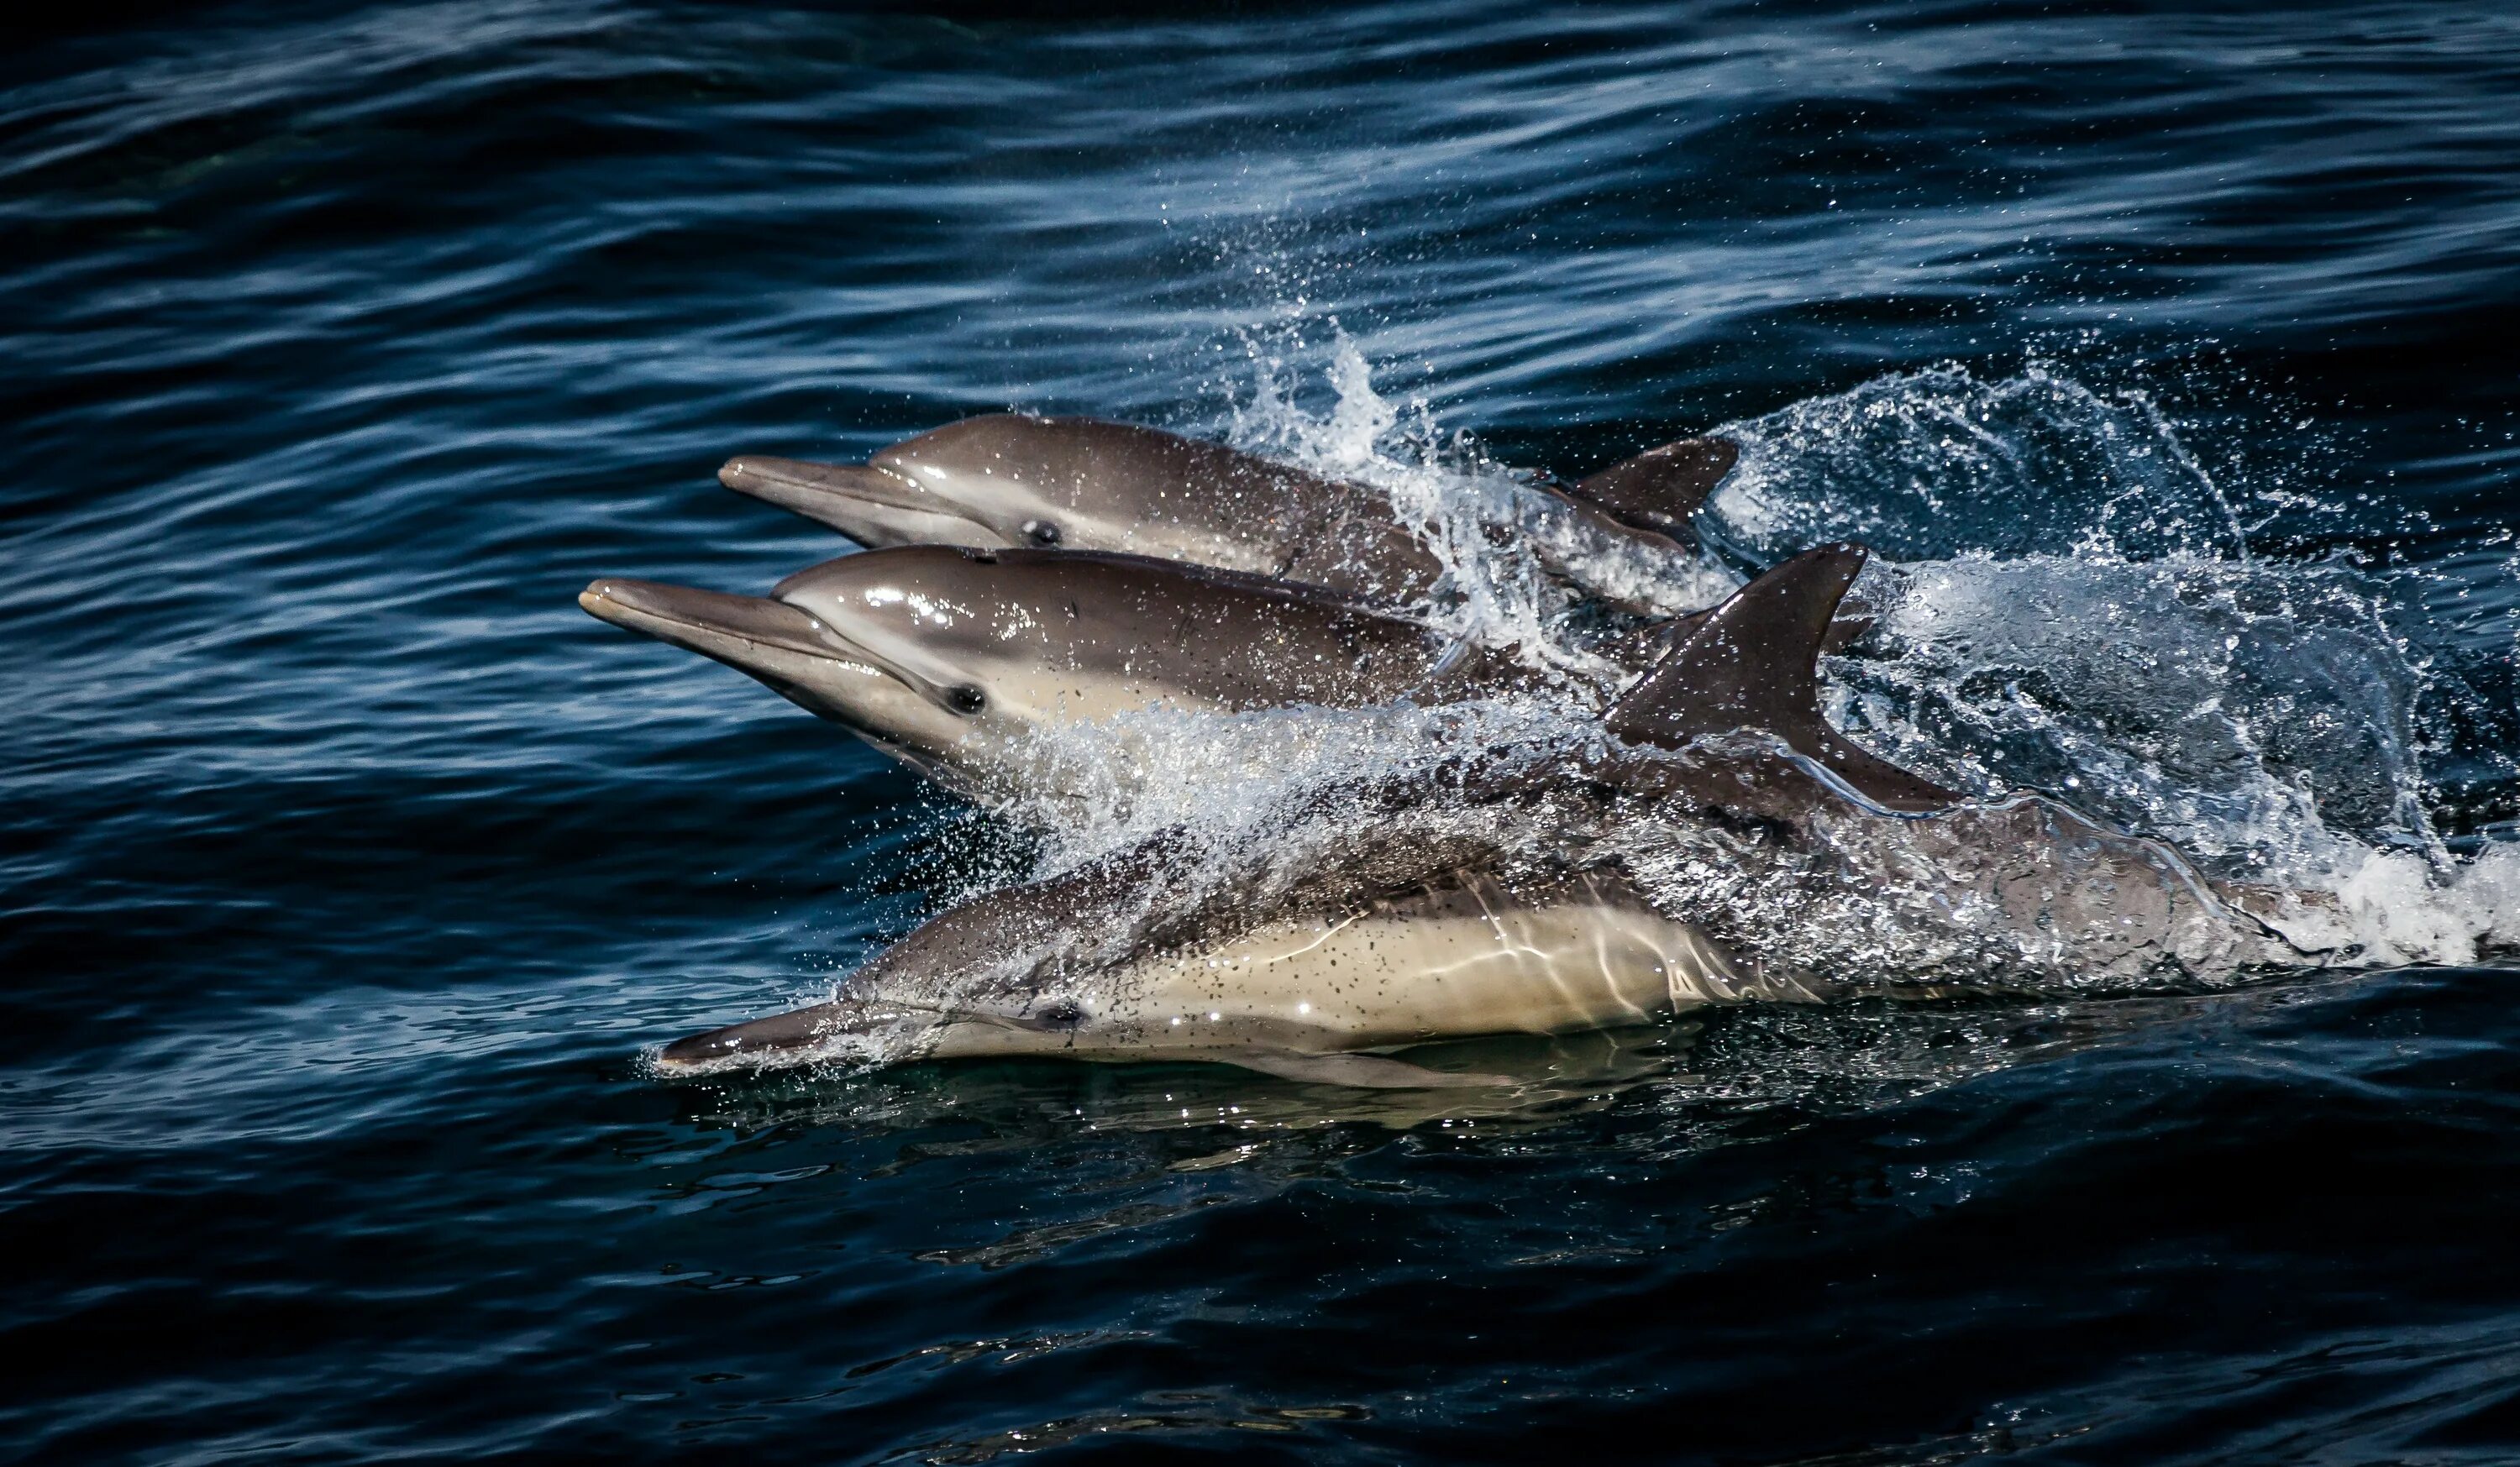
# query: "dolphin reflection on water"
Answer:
x=1408 y=927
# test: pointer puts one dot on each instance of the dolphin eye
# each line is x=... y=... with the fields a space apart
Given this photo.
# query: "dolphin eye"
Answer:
x=966 y=699
x=1065 y=1013
x=1040 y=532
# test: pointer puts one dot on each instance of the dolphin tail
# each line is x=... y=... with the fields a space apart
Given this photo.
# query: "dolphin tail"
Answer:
x=1753 y=663
x=1659 y=489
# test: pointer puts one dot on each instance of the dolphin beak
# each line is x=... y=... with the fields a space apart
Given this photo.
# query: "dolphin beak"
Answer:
x=839 y=1028
x=755 y=1044
x=871 y=506
x=711 y=623
x=800 y=657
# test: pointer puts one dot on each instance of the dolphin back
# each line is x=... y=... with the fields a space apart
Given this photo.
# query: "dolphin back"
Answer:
x=1658 y=490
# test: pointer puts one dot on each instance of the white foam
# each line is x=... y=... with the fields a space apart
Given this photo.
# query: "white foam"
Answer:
x=1485 y=525
x=1159 y=769
x=1926 y=464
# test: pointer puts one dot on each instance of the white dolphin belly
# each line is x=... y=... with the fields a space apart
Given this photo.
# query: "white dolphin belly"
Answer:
x=1470 y=960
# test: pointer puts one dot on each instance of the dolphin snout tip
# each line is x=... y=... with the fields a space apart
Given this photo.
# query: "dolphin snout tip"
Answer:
x=717 y=1050
x=685 y=1056
x=793 y=1038
x=609 y=601
x=780 y=480
x=677 y=613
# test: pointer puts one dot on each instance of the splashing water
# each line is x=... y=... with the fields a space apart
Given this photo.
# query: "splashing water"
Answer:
x=1924 y=466
x=1502 y=545
x=2067 y=622
x=2068 y=605
x=2247 y=712
x=1155 y=769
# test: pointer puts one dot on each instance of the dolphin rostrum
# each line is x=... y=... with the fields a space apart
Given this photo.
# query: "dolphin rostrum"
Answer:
x=955 y=660
x=1513 y=898
x=1013 y=479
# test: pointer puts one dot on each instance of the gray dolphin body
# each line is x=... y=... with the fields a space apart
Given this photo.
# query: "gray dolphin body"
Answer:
x=1012 y=479
x=1408 y=926
x=1299 y=988
x=959 y=660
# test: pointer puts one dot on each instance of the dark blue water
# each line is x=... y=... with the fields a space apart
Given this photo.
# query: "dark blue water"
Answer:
x=348 y=871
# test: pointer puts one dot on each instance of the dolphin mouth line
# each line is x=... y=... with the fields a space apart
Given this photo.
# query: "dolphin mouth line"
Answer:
x=833 y=1038
x=643 y=609
x=841 y=1047
x=866 y=502
x=752 y=474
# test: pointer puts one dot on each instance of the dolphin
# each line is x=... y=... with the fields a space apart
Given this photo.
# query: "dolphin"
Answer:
x=1299 y=993
x=957 y=660
x=1013 y=479
x=1409 y=925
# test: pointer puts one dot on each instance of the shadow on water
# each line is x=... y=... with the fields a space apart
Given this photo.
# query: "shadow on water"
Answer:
x=1714 y=1077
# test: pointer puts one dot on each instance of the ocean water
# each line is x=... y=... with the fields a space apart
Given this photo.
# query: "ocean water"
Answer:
x=349 y=872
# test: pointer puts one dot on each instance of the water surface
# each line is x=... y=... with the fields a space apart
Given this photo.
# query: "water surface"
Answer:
x=348 y=869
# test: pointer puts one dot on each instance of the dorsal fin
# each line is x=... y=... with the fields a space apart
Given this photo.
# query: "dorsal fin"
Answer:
x=1753 y=663
x=1659 y=489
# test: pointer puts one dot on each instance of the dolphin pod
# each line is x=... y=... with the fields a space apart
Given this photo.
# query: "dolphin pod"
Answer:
x=1027 y=576
x=1012 y=479
x=1404 y=939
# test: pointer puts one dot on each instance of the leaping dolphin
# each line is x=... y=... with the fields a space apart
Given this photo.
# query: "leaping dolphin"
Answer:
x=1012 y=479
x=957 y=660
x=1409 y=925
